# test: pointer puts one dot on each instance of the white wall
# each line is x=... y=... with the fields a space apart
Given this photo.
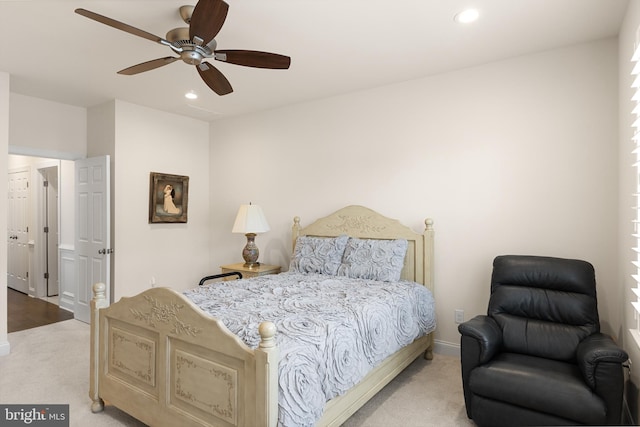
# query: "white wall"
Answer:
x=47 y=129
x=517 y=156
x=4 y=149
x=176 y=255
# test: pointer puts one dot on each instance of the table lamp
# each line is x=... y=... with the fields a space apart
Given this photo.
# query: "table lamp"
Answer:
x=250 y=220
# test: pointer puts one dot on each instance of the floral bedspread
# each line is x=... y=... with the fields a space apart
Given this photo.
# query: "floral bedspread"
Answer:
x=330 y=330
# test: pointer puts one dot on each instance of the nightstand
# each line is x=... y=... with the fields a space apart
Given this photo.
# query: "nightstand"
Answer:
x=247 y=272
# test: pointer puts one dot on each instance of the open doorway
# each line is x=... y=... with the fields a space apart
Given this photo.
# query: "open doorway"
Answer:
x=39 y=216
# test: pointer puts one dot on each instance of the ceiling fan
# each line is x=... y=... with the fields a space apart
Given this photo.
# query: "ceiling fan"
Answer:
x=196 y=43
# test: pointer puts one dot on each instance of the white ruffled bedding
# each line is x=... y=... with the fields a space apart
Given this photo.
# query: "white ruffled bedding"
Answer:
x=330 y=330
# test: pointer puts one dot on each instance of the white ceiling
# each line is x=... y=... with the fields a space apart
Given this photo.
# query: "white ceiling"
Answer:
x=336 y=46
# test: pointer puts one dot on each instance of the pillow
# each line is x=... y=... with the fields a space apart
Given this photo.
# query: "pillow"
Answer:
x=318 y=254
x=373 y=259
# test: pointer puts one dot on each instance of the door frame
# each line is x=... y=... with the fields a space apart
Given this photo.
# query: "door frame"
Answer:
x=36 y=236
x=41 y=237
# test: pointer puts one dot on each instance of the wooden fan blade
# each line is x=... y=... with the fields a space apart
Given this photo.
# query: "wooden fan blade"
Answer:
x=253 y=58
x=119 y=25
x=207 y=19
x=149 y=65
x=214 y=78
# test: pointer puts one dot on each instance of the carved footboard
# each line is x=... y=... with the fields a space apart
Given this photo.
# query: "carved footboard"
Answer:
x=157 y=357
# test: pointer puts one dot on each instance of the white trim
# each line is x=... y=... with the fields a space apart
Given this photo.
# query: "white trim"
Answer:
x=67 y=278
x=446 y=348
x=67 y=247
x=39 y=152
x=635 y=334
x=5 y=348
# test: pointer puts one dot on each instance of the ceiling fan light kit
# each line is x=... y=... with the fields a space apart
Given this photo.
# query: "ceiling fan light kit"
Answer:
x=185 y=13
x=196 y=43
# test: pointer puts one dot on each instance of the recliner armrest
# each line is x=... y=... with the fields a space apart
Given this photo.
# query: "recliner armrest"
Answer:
x=481 y=340
x=600 y=361
x=486 y=331
x=594 y=350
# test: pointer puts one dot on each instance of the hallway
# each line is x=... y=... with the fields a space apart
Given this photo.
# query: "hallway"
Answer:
x=25 y=312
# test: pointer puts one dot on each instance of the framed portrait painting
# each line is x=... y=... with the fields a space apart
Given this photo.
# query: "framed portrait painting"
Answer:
x=168 y=197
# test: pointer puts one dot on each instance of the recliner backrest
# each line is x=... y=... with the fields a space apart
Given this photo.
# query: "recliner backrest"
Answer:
x=545 y=306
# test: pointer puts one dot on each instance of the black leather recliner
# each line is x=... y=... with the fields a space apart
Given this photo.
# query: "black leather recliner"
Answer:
x=538 y=357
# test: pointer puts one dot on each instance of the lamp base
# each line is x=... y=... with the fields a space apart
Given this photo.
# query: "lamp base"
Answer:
x=250 y=252
x=251 y=265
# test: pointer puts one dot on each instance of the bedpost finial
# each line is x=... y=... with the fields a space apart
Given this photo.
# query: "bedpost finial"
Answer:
x=428 y=223
x=99 y=290
x=99 y=296
x=267 y=333
x=296 y=221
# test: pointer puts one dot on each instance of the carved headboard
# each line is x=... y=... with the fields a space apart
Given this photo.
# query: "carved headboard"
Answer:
x=364 y=223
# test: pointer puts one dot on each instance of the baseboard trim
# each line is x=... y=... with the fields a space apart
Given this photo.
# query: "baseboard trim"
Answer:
x=5 y=348
x=446 y=348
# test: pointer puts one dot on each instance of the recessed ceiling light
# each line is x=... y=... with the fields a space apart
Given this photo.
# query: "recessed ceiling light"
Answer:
x=467 y=16
x=191 y=95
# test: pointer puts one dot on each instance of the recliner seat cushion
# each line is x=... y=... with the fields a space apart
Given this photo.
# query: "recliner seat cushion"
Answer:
x=493 y=413
x=543 y=385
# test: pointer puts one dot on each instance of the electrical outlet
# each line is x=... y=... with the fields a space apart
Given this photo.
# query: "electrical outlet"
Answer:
x=459 y=315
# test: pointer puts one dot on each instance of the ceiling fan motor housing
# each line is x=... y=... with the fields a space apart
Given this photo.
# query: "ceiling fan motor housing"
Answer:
x=190 y=52
x=179 y=35
x=192 y=57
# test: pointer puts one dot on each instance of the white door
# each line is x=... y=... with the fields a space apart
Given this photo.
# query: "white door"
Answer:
x=92 y=242
x=18 y=230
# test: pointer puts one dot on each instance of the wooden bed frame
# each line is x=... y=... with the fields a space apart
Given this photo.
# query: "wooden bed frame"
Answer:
x=164 y=361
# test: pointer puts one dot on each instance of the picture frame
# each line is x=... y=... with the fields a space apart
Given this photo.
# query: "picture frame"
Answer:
x=168 y=198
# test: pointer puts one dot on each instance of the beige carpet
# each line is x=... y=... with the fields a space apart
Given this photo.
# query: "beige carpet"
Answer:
x=50 y=365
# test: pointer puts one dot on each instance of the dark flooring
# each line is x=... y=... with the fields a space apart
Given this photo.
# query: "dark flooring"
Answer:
x=25 y=312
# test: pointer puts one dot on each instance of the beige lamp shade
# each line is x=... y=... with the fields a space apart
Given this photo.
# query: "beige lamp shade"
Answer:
x=250 y=219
